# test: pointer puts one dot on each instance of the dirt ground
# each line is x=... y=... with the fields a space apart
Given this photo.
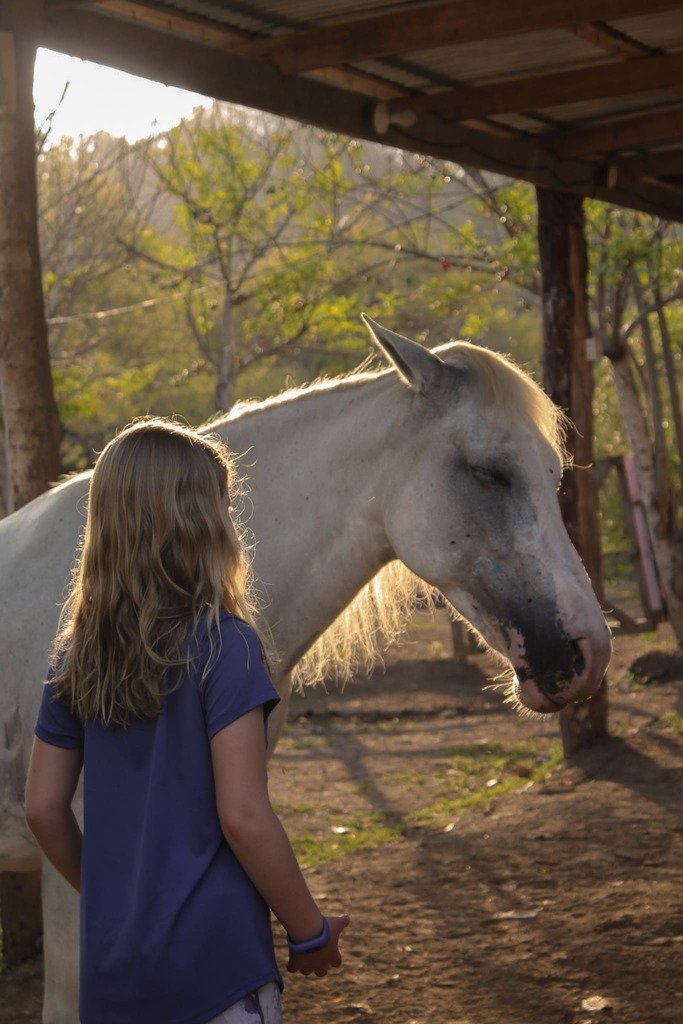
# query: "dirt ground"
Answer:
x=488 y=882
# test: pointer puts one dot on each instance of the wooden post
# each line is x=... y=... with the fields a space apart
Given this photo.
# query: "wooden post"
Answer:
x=31 y=427
x=568 y=379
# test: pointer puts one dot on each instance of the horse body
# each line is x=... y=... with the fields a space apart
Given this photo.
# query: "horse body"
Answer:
x=344 y=478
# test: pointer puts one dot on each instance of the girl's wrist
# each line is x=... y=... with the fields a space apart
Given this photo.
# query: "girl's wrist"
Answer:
x=313 y=944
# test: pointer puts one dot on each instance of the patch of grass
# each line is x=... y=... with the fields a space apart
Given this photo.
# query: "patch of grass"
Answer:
x=411 y=779
x=475 y=775
x=309 y=740
x=674 y=721
x=366 y=831
x=295 y=808
x=469 y=778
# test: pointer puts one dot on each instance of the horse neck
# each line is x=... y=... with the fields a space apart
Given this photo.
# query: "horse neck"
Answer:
x=317 y=466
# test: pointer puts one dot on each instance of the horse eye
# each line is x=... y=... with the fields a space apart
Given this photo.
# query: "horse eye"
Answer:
x=490 y=476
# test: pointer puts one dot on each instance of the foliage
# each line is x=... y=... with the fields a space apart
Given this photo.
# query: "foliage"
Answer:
x=233 y=255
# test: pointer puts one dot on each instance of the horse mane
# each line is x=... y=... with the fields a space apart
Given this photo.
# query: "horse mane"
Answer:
x=380 y=612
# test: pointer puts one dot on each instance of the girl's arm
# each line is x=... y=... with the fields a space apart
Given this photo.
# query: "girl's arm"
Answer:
x=259 y=841
x=53 y=774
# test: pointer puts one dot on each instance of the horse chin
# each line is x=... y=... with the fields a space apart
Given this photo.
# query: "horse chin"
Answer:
x=532 y=698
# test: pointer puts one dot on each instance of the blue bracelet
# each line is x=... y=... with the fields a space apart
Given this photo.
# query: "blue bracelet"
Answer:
x=311 y=945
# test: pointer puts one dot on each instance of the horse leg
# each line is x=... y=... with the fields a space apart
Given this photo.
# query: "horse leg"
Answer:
x=277 y=717
x=60 y=948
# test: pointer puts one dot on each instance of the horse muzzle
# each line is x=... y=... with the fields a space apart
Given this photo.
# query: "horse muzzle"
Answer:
x=573 y=677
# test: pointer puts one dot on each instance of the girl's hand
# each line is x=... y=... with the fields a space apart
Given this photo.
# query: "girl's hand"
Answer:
x=319 y=963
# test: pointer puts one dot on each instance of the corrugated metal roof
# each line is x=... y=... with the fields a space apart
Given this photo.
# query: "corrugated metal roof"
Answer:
x=512 y=57
x=570 y=47
x=281 y=15
x=662 y=30
x=605 y=109
x=399 y=72
x=239 y=16
x=325 y=12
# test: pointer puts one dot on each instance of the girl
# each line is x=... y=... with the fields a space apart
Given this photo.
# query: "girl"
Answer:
x=159 y=688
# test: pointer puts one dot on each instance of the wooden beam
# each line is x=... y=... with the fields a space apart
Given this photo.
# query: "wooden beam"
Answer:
x=141 y=50
x=618 y=44
x=611 y=40
x=560 y=89
x=222 y=37
x=423 y=27
x=568 y=379
x=167 y=19
x=611 y=136
x=650 y=166
x=8 y=75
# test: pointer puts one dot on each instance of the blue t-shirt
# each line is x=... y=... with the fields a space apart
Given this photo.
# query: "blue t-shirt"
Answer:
x=172 y=929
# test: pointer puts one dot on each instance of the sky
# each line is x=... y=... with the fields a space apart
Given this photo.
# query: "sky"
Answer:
x=101 y=99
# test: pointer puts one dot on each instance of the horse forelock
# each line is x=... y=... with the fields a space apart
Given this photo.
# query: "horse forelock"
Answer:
x=508 y=390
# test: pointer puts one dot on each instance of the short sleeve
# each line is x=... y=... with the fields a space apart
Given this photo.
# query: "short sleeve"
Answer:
x=238 y=680
x=56 y=723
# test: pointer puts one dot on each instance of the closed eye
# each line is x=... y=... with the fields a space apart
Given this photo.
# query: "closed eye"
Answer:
x=490 y=476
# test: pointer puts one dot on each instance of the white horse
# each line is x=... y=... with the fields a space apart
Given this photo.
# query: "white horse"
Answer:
x=446 y=470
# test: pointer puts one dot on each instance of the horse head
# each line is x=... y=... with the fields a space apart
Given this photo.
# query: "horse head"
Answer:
x=474 y=512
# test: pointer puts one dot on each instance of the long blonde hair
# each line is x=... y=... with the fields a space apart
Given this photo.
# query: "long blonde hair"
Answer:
x=160 y=554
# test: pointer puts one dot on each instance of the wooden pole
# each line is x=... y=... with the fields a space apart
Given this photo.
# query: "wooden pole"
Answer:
x=568 y=379
x=31 y=427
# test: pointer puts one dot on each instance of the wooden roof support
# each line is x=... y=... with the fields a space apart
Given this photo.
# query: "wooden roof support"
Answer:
x=544 y=91
x=650 y=166
x=611 y=40
x=618 y=44
x=612 y=136
x=438 y=25
x=222 y=37
x=569 y=380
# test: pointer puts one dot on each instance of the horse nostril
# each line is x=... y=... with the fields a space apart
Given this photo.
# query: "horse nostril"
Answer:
x=578 y=660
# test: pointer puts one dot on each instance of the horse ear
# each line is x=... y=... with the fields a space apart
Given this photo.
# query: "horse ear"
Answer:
x=416 y=365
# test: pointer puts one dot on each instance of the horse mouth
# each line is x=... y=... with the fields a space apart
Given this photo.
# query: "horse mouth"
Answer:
x=530 y=696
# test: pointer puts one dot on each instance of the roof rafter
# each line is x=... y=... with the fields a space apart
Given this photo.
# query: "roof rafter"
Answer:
x=222 y=37
x=612 y=136
x=542 y=91
x=650 y=165
x=437 y=25
x=611 y=40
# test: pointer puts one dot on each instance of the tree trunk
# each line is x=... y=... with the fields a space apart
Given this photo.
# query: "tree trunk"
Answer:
x=225 y=384
x=661 y=470
x=667 y=552
x=568 y=379
x=32 y=429
x=671 y=375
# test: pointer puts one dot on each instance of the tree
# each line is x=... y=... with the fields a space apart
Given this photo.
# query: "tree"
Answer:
x=636 y=280
x=103 y=347
x=284 y=233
